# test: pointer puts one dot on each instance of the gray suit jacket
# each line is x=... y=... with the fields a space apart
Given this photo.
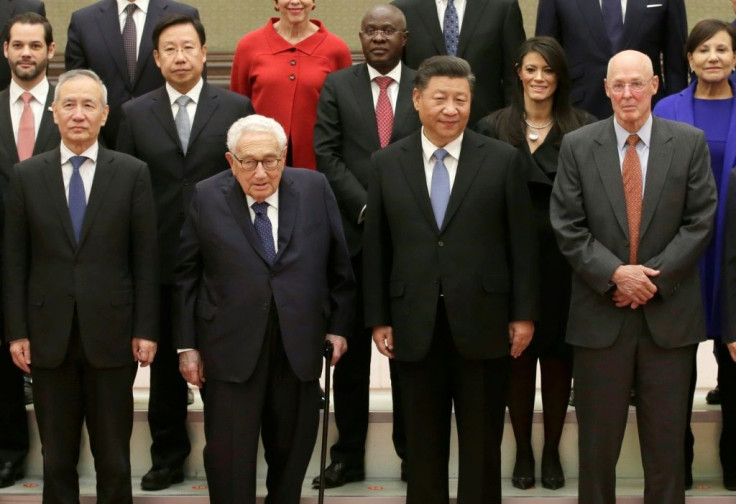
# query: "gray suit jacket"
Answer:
x=588 y=214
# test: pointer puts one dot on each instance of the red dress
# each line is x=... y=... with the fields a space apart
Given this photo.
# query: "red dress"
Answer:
x=284 y=80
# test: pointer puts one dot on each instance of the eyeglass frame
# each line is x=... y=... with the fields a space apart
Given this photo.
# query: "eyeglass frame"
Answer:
x=262 y=162
x=392 y=32
x=629 y=85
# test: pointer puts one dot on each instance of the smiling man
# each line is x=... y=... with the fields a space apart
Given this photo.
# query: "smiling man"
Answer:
x=362 y=109
x=450 y=283
x=632 y=209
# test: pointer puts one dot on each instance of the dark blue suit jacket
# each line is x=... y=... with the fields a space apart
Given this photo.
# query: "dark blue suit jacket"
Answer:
x=657 y=28
x=224 y=285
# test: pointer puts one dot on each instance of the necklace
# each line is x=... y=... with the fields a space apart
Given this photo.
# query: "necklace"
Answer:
x=533 y=135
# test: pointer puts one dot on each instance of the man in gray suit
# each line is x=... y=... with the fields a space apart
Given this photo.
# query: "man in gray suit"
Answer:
x=632 y=208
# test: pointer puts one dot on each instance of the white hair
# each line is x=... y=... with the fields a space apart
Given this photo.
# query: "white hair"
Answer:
x=76 y=74
x=252 y=124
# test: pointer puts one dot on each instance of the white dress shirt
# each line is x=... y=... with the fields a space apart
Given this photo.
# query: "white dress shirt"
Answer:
x=392 y=90
x=450 y=161
x=193 y=94
x=459 y=7
x=272 y=212
x=139 y=16
x=39 y=92
x=86 y=171
x=642 y=148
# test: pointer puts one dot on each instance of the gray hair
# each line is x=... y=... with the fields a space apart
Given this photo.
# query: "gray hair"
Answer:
x=255 y=124
x=76 y=74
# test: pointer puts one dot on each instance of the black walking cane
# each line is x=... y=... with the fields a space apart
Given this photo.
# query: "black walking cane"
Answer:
x=325 y=423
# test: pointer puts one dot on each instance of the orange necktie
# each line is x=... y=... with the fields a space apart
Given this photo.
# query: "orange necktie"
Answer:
x=633 y=192
x=26 y=129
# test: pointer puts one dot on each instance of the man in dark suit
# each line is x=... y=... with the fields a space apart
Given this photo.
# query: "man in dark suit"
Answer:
x=450 y=283
x=485 y=33
x=81 y=301
x=149 y=130
x=347 y=132
x=632 y=208
x=28 y=46
x=263 y=278
x=9 y=9
x=96 y=39
x=592 y=31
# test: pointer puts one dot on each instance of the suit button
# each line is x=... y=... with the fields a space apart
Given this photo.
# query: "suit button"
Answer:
x=292 y=77
x=186 y=183
x=180 y=152
x=441 y=243
x=292 y=62
x=264 y=307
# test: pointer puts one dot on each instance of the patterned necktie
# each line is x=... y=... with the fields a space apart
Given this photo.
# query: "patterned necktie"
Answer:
x=183 y=126
x=384 y=112
x=439 y=192
x=632 y=178
x=451 y=28
x=614 y=21
x=26 y=128
x=130 y=40
x=77 y=199
x=263 y=227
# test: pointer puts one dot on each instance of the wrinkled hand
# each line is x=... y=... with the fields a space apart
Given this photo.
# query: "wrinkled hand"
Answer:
x=339 y=347
x=732 y=350
x=633 y=285
x=20 y=351
x=192 y=368
x=520 y=335
x=144 y=351
x=383 y=337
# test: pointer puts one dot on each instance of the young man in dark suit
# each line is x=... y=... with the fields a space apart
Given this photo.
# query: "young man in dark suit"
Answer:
x=354 y=121
x=81 y=303
x=96 y=39
x=450 y=283
x=9 y=9
x=263 y=278
x=28 y=46
x=151 y=129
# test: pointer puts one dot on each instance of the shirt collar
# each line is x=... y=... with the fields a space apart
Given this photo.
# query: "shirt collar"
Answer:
x=142 y=5
x=90 y=153
x=452 y=148
x=193 y=93
x=395 y=74
x=645 y=133
x=40 y=91
x=272 y=200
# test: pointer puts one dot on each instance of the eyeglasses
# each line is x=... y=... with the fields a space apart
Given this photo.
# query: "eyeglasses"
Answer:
x=171 y=52
x=269 y=164
x=388 y=31
x=636 y=86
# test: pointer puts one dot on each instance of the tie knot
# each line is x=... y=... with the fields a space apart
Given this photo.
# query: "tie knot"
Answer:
x=183 y=100
x=632 y=140
x=440 y=154
x=26 y=97
x=130 y=9
x=260 y=208
x=77 y=161
x=383 y=82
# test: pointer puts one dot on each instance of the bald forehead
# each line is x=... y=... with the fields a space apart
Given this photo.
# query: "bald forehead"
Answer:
x=630 y=62
x=385 y=12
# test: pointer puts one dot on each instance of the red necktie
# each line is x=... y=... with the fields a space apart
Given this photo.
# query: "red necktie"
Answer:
x=26 y=128
x=633 y=191
x=384 y=112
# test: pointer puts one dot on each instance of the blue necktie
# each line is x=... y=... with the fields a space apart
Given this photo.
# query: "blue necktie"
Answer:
x=183 y=126
x=614 y=21
x=439 y=192
x=263 y=227
x=77 y=199
x=451 y=28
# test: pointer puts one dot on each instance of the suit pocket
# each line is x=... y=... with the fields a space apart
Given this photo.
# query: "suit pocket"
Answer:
x=396 y=289
x=35 y=296
x=205 y=310
x=495 y=283
x=122 y=297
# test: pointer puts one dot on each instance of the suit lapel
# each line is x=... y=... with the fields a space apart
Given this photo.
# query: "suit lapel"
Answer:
x=635 y=10
x=208 y=103
x=288 y=205
x=412 y=167
x=47 y=127
x=593 y=19
x=363 y=99
x=404 y=103
x=660 y=157
x=104 y=175
x=6 y=128
x=239 y=208
x=155 y=12
x=161 y=109
x=473 y=12
x=109 y=25
x=609 y=168
x=467 y=168
x=428 y=14
x=57 y=195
